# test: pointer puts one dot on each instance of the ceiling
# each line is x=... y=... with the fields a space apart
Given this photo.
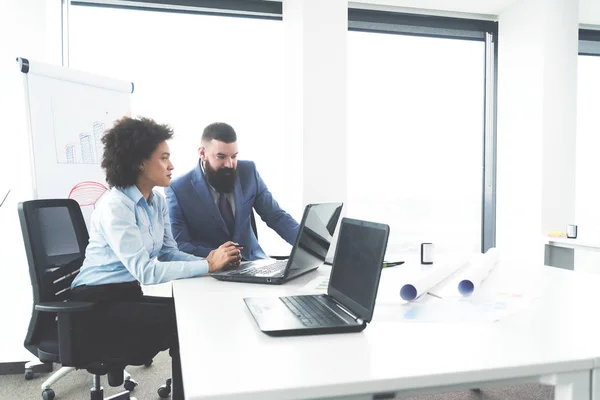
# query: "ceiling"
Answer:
x=589 y=10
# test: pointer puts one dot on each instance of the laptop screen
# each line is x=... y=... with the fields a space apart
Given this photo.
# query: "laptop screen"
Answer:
x=315 y=235
x=357 y=265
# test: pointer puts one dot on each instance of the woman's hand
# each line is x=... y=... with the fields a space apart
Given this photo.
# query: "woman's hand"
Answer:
x=226 y=255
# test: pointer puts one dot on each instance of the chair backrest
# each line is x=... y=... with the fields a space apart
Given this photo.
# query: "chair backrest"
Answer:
x=55 y=238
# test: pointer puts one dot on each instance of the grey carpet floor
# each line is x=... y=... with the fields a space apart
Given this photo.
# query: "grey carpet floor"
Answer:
x=76 y=386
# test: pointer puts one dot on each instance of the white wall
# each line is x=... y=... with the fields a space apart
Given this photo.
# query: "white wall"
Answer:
x=31 y=29
x=537 y=83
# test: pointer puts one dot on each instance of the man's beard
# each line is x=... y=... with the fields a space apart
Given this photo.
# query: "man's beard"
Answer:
x=222 y=180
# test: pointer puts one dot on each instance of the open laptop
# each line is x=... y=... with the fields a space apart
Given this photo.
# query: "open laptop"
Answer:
x=350 y=299
x=312 y=244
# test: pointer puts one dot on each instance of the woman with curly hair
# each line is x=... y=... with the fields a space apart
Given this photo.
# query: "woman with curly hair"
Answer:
x=131 y=243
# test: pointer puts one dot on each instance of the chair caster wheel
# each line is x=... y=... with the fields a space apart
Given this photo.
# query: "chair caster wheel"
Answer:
x=130 y=385
x=147 y=364
x=48 y=394
x=165 y=390
x=28 y=374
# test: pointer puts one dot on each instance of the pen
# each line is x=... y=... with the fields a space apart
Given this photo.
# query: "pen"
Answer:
x=392 y=264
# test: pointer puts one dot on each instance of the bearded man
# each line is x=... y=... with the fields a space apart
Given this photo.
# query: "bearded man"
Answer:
x=212 y=204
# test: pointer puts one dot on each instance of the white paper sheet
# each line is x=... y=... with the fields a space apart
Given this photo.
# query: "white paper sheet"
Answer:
x=479 y=309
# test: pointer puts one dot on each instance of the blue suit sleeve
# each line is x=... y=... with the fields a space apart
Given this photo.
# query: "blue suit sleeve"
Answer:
x=179 y=227
x=270 y=212
x=169 y=250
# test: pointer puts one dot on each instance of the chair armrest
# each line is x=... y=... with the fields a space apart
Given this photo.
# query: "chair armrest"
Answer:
x=67 y=313
x=65 y=307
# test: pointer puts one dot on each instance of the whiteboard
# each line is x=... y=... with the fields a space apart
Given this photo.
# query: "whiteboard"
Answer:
x=68 y=112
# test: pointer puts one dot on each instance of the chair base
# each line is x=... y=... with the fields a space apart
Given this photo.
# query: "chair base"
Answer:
x=62 y=372
x=129 y=383
x=97 y=391
x=36 y=365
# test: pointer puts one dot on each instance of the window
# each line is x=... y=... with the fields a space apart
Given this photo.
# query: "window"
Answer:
x=416 y=137
x=417 y=103
x=190 y=70
x=587 y=191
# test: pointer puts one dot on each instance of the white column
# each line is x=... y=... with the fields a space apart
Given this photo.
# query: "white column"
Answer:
x=315 y=83
x=537 y=84
x=28 y=28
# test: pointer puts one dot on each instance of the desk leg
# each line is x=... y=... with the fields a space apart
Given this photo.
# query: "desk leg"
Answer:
x=596 y=384
x=571 y=386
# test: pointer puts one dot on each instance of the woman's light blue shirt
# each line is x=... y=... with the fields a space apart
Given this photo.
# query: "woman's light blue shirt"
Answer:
x=131 y=240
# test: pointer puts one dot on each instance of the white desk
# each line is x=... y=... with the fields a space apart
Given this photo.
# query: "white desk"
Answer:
x=225 y=356
x=577 y=244
x=560 y=252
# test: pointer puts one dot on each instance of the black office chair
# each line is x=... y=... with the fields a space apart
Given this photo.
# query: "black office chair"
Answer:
x=253 y=224
x=55 y=237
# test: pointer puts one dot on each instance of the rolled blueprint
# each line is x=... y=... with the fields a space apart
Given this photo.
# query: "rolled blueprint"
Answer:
x=477 y=272
x=430 y=277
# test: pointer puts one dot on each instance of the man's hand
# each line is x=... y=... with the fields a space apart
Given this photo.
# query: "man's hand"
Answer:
x=226 y=255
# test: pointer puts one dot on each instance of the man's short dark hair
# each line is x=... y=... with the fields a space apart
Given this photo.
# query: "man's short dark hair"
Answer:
x=219 y=131
x=127 y=144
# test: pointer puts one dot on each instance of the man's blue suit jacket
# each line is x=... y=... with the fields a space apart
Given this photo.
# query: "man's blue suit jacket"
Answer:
x=197 y=224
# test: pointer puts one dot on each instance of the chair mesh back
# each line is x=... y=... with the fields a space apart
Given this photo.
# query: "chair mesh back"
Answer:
x=55 y=238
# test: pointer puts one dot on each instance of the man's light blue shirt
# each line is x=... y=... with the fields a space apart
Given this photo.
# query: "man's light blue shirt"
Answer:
x=131 y=240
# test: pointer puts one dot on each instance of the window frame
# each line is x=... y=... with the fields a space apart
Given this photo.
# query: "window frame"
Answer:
x=589 y=42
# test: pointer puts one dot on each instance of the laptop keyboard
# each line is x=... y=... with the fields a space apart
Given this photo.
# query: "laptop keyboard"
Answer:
x=311 y=312
x=265 y=269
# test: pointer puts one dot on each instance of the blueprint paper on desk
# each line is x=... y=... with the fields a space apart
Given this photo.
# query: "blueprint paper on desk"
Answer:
x=427 y=277
x=489 y=308
x=480 y=267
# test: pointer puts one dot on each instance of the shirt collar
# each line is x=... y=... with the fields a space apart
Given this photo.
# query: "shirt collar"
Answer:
x=135 y=195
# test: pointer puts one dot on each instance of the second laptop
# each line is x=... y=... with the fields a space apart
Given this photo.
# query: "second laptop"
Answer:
x=312 y=244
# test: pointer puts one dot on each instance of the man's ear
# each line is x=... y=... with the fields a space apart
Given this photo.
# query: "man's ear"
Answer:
x=202 y=153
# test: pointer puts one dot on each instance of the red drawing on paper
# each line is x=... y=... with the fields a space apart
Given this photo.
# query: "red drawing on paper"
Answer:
x=87 y=193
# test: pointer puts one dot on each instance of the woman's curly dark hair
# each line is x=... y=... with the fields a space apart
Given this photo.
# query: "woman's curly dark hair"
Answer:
x=127 y=144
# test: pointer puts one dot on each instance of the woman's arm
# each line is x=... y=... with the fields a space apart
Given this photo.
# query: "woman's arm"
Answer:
x=117 y=225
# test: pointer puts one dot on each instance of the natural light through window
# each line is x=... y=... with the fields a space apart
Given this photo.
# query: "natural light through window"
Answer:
x=588 y=143
x=415 y=125
x=415 y=110
x=191 y=70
